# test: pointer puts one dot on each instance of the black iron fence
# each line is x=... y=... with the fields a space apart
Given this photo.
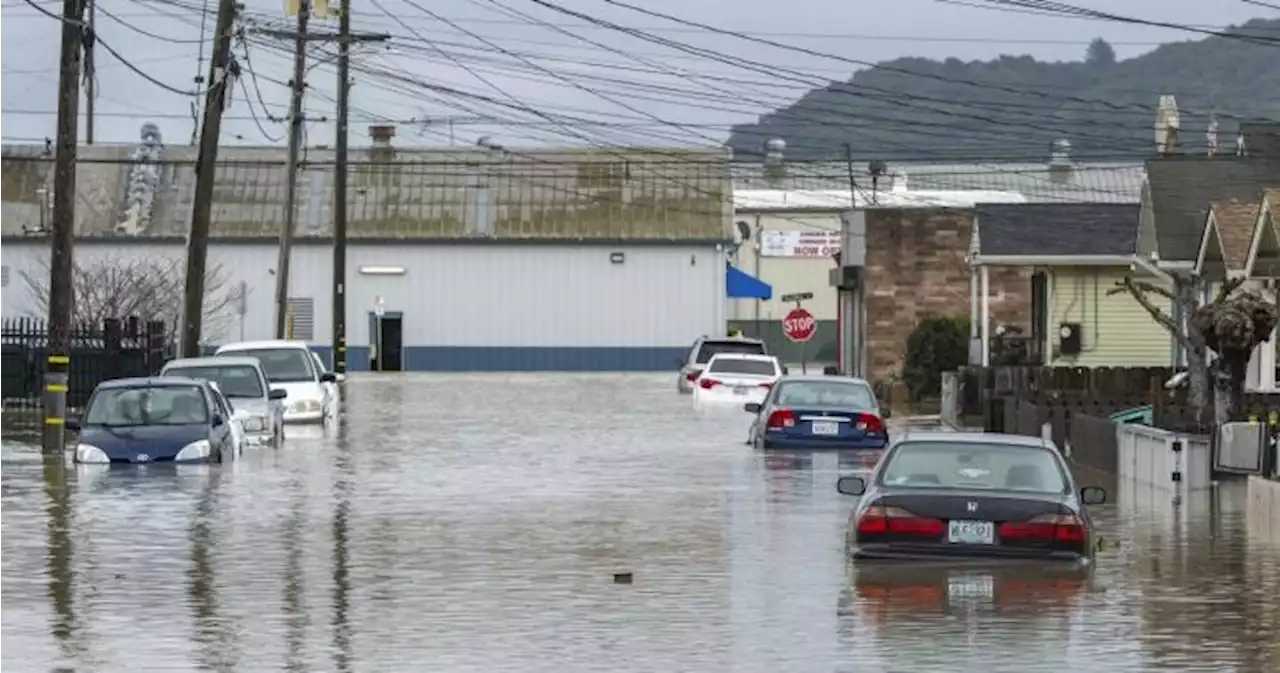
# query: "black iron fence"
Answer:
x=114 y=349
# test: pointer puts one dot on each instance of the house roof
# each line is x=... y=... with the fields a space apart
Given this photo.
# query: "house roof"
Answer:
x=777 y=200
x=1264 y=243
x=1091 y=182
x=1057 y=229
x=1182 y=187
x=1233 y=224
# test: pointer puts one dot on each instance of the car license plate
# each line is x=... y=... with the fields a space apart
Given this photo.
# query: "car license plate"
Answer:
x=826 y=428
x=968 y=587
x=739 y=390
x=971 y=532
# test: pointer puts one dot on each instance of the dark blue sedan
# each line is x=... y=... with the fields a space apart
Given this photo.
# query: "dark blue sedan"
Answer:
x=166 y=419
x=819 y=412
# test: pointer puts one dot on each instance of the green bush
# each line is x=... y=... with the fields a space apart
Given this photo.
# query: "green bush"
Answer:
x=938 y=344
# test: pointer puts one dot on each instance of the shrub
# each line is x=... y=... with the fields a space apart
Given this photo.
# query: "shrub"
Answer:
x=938 y=344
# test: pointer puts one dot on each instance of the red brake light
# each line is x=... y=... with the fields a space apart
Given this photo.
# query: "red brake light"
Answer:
x=781 y=418
x=881 y=519
x=1057 y=527
x=766 y=386
x=692 y=376
x=869 y=423
x=708 y=384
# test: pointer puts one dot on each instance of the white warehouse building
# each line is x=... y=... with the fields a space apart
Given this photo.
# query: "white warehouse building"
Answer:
x=476 y=261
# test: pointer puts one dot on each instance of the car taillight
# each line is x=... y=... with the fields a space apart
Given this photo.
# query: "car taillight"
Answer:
x=782 y=418
x=869 y=423
x=766 y=386
x=1056 y=527
x=882 y=519
x=692 y=376
x=708 y=384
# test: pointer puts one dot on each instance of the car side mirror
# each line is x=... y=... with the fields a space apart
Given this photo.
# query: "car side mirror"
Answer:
x=785 y=371
x=339 y=378
x=328 y=377
x=851 y=485
x=277 y=394
x=886 y=413
x=72 y=423
x=217 y=421
x=1093 y=495
x=751 y=407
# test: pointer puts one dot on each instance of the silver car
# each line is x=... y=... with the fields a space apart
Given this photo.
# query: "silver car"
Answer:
x=695 y=360
x=257 y=408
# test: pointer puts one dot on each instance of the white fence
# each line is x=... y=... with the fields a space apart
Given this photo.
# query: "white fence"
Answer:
x=1170 y=461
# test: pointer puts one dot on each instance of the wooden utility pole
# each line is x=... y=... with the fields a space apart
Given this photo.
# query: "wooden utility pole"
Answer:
x=291 y=187
x=91 y=73
x=61 y=261
x=340 y=193
x=206 y=167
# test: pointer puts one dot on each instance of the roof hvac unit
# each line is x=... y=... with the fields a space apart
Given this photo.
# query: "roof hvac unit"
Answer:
x=1069 y=338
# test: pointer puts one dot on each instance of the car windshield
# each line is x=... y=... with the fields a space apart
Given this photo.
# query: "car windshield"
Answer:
x=711 y=348
x=150 y=405
x=846 y=395
x=282 y=365
x=234 y=380
x=743 y=366
x=973 y=465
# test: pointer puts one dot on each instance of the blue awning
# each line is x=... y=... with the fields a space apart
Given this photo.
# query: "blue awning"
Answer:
x=739 y=284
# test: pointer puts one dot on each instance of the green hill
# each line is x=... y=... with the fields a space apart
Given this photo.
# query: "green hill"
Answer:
x=1013 y=107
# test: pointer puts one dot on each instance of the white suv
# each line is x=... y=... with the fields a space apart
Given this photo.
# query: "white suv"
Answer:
x=702 y=351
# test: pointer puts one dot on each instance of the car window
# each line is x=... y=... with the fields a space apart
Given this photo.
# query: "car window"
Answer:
x=148 y=405
x=282 y=365
x=232 y=380
x=711 y=348
x=743 y=366
x=220 y=401
x=845 y=394
x=972 y=465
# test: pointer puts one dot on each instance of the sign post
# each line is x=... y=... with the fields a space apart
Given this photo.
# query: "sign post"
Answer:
x=799 y=325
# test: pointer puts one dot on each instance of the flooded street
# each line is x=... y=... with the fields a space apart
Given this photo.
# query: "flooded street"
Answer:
x=462 y=523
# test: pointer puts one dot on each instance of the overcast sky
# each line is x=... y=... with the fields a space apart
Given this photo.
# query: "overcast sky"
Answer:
x=558 y=74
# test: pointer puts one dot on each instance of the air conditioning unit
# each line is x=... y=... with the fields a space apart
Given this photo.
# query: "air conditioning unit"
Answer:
x=1070 y=339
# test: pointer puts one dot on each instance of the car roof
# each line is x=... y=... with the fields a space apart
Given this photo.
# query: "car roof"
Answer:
x=262 y=345
x=151 y=382
x=974 y=438
x=731 y=340
x=743 y=356
x=217 y=361
x=821 y=378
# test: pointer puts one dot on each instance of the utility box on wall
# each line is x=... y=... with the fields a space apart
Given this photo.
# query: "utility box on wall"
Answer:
x=853 y=246
x=1069 y=338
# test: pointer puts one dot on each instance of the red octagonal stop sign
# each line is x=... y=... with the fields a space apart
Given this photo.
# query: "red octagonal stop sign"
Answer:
x=799 y=325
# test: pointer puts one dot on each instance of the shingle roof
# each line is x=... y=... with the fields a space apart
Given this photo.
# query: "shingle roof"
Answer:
x=1057 y=229
x=1084 y=182
x=1233 y=222
x=1182 y=187
x=640 y=194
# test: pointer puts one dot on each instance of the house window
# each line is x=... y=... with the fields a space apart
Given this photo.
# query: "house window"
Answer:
x=300 y=318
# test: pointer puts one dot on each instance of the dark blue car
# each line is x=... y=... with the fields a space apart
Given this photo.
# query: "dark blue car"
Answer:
x=164 y=419
x=819 y=412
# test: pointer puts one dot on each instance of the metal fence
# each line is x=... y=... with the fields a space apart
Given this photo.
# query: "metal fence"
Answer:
x=114 y=349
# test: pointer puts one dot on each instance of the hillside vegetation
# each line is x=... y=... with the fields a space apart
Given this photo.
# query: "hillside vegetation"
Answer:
x=1013 y=107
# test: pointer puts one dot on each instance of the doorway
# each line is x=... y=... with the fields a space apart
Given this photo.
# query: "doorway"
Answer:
x=386 y=334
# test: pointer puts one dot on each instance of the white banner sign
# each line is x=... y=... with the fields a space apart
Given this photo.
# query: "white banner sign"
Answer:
x=799 y=243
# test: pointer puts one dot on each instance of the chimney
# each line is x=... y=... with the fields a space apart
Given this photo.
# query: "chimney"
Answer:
x=381 y=135
x=1167 y=125
x=1060 y=165
x=1211 y=134
x=775 y=168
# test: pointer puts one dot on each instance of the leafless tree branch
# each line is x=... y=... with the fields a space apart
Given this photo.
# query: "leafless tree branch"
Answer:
x=1138 y=290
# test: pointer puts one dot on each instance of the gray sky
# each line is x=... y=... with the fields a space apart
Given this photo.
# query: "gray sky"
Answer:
x=870 y=31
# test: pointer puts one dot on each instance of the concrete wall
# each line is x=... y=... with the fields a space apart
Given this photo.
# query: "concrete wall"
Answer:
x=1116 y=330
x=465 y=307
x=1264 y=510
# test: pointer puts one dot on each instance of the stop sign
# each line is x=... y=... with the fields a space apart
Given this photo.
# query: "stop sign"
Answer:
x=799 y=325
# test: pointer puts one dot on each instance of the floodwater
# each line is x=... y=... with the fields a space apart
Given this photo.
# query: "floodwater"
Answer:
x=476 y=522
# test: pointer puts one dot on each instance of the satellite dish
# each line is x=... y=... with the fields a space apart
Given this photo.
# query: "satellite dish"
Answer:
x=744 y=229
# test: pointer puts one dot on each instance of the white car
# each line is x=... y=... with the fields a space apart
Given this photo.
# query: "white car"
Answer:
x=696 y=359
x=258 y=408
x=736 y=378
x=311 y=392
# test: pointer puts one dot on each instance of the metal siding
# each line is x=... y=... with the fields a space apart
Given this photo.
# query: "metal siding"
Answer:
x=1116 y=331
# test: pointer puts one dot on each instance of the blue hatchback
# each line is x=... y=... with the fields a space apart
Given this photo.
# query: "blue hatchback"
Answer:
x=819 y=412
x=166 y=419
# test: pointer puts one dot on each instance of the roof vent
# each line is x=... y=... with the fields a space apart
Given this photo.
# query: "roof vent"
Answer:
x=1060 y=164
x=381 y=134
x=1167 y=125
x=774 y=168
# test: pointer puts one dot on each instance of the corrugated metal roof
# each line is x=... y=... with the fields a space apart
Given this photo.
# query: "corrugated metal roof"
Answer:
x=1091 y=182
x=641 y=194
x=830 y=199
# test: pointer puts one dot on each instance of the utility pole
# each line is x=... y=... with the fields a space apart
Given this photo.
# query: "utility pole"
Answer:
x=90 y=71
x=206 y=166
x=340 y=193
x=61 y=262
x=291 y=187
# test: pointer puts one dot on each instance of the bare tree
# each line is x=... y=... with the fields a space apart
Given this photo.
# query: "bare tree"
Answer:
x=1231 y=326
x=149 y=288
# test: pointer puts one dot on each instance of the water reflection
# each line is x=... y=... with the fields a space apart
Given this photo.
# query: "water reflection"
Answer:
x=59 y=569
x=341 y=568
x=295 y=612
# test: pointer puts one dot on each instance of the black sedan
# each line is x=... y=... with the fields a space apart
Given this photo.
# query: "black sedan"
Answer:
x=957 y=496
